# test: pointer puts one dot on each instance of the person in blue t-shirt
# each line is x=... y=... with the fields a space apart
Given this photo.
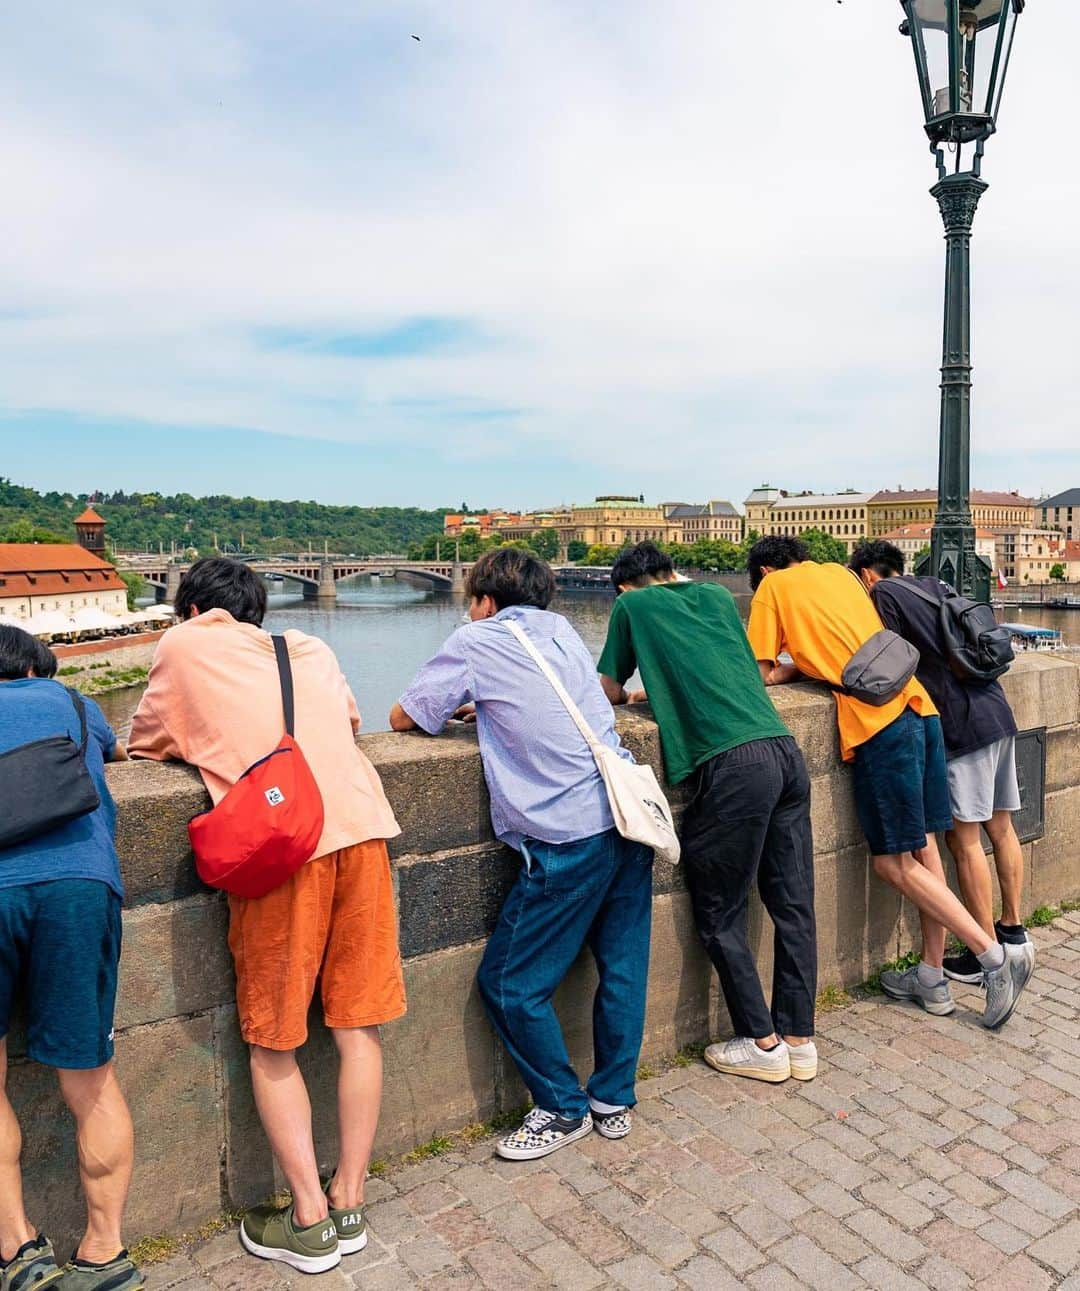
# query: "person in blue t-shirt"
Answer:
x=60 y=895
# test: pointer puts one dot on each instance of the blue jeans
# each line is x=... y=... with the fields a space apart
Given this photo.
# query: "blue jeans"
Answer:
x=597 y=891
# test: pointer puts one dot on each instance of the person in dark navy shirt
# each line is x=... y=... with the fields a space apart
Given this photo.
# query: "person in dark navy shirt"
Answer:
x=980 y=751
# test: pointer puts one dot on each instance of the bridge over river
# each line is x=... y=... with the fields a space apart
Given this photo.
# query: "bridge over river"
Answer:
x=319 y=576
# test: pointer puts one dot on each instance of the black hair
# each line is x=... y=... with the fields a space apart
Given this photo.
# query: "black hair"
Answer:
x=511 y=576
x=216 y=583
x=640 y=565
x=21 y=654
x=47 y=662
x=880 y=556
x=775 y=551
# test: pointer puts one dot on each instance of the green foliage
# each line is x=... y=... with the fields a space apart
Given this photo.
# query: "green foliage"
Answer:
x=824 y=547
x=137 y=521
x=1057 y=572
x=920 y=555
x=545 y=542
x=873 y=982
x=600 y=554
x=712 y=555
x=24 y=530
x=1046 y=914
x=576 y=551
x=135 y=584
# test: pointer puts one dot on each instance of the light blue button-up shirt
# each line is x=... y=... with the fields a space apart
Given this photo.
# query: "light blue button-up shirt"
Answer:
x=541 y=776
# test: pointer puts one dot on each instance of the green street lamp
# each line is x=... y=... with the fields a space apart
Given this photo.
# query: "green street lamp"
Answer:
x=962 y=50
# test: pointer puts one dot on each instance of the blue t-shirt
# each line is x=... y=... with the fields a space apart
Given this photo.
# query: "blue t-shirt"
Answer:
x=34 y=708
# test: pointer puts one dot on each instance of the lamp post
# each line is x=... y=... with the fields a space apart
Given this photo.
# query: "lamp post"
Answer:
x=962 y=50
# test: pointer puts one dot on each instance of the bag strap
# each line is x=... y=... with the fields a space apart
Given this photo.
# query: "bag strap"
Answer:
x=918 y=591
x=284 y=667
x=588 y=734
x=80 y=708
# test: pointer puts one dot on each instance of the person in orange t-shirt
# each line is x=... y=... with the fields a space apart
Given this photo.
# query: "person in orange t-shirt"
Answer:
x=214 y=700
x=820 y=615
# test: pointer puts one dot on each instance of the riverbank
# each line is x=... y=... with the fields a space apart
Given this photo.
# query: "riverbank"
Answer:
x=101 y=667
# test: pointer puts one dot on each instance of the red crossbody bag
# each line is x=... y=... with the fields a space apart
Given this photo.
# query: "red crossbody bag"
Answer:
x=269 y=823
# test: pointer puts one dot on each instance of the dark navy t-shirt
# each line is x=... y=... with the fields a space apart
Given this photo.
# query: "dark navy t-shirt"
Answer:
x=33 y=709
x=971 y=716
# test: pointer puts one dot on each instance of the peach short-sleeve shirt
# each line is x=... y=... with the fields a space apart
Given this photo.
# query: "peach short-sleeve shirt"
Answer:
x=213 y=700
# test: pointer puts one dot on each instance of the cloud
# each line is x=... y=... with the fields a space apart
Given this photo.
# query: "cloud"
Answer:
x=689 y=243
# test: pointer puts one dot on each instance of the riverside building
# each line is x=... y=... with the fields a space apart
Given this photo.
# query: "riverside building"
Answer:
x=43 y=578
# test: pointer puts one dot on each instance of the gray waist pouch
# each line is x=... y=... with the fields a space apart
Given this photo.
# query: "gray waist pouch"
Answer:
x=880 y=669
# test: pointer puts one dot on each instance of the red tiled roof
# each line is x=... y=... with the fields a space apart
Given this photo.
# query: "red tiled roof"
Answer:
x=49 y=569
x=89 y=516
x=923 y=531
x=977 y=497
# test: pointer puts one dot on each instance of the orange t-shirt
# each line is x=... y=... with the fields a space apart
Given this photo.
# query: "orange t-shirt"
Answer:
x=213 y=700
x=821 y=614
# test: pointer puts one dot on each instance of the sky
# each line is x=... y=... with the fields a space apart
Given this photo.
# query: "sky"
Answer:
x=546 y=251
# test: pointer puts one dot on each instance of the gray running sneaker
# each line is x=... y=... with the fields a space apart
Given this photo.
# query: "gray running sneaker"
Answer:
x=118 y=1274
x=33 y=1267
x=906 y=986
x=1004 y=984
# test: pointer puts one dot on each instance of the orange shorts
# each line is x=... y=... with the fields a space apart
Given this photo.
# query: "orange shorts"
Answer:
x=334 y=917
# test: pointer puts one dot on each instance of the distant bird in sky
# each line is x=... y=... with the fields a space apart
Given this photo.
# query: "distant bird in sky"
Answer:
x=416 y=38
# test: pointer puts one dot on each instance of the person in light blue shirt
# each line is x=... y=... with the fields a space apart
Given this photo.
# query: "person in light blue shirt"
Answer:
x=580 y=881
x=60 y=933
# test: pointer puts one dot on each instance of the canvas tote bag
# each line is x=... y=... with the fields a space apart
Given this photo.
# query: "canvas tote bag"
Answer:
x=638 y=805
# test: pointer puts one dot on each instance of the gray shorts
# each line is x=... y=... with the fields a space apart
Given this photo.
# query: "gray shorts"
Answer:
x=983 y=782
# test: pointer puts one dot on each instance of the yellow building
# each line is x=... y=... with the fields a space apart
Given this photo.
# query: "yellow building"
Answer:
x=759 y=505
x=616 y=520
x=889 y=509
x=1062 y=512
x=1037 y=552
x=841 y=515
x=715 y=520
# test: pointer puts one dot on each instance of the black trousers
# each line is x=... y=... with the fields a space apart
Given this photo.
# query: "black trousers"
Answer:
x=750 y=819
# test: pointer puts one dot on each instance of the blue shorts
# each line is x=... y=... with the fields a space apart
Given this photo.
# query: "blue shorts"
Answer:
x=901 y=785
x=61 y=941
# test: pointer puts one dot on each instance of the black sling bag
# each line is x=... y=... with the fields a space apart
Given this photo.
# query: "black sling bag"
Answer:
x=45 y=784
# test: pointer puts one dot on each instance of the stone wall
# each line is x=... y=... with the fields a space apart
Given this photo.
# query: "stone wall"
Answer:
x=178 y=1050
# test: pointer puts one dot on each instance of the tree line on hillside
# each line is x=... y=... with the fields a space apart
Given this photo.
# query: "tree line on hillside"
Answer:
x=145 y=521
x=707 y=554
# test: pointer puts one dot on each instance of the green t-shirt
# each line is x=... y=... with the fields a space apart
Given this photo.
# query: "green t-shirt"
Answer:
x=702 y=679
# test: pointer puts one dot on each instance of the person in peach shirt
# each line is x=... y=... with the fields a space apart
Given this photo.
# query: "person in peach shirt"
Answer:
x=213 y=700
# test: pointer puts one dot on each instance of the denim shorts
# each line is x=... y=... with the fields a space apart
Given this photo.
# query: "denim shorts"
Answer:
x=901 y=785
x=60 y=940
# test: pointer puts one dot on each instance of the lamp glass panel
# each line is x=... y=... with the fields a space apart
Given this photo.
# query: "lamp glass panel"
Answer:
x=1008 y=22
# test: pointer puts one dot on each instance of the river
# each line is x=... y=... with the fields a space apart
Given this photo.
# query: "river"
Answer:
x=383 y=632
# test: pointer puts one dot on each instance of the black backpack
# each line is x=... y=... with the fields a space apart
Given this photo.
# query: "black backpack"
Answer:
x=976 y=646
x=45 y=784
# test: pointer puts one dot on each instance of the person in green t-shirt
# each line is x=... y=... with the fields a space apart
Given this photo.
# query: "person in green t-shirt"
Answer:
x=749 y=817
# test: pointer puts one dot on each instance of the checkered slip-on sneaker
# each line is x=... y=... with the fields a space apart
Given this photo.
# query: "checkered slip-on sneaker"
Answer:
x=612 y=1125
x=33 y=1267
x=541 y=1133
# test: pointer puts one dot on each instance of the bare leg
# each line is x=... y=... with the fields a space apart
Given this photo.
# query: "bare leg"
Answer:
x=1009 y=860
x=359 y=1097
x=106 y=1144
x=285 y=1111
x=973 y=873
x=921 y=879
x=15 y=1229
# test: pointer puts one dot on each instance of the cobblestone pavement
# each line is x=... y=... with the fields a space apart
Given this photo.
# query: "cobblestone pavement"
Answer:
x=928 y=1153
